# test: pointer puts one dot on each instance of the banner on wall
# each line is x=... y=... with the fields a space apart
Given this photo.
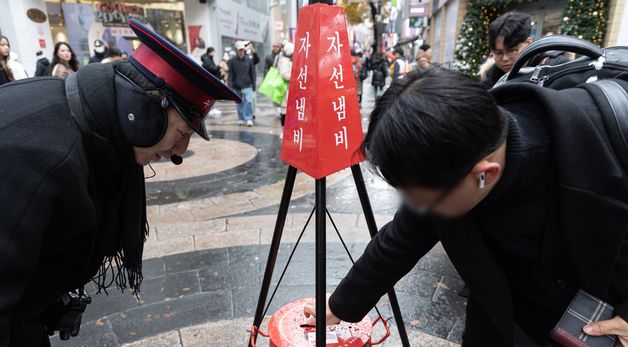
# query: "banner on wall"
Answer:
x=241 y=22
x=194 y=32
x=117 y=13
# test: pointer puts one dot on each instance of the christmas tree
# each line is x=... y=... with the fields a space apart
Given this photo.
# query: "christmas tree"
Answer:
x=585 y=19
x=472 y=46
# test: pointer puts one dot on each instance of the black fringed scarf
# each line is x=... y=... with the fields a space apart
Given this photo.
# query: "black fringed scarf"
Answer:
x=116 y=185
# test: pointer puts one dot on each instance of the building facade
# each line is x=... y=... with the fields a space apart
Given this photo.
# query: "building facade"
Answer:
x=192 y=25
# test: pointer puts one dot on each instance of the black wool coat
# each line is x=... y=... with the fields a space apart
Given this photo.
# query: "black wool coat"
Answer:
x=379 y=65
x=48 y=216
x=592 y=195
x=65 y=208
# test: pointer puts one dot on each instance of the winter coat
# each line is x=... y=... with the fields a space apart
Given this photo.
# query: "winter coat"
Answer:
x=209 y=65
x=269 y=61
x=3 y=76
x=224 y=71
x=56 y=207
x=18 y=69
x=400 y=68
x=62 y=71
x=241 y=73
x=43 y=67
x=379 y=66
x=284 y=65
x=591 y=232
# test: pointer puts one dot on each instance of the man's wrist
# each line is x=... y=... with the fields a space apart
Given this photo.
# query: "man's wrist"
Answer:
x=333 y=305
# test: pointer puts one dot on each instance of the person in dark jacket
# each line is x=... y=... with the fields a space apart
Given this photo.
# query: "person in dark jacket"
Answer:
x=251 y=52
x=72 y=183
x=400 y=66
x=269 y=61
x=379 y=66
x=242 y=79
x=113 y=54
x=208 y=62
x=524 y=220
x=100 y=52
x=43 y=65
x=508 y=35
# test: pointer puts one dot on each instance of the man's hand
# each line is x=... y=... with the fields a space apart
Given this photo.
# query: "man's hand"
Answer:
x=616 y=326
x=310 y=311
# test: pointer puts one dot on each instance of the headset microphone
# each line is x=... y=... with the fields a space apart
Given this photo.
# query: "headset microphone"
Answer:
x=176 y=160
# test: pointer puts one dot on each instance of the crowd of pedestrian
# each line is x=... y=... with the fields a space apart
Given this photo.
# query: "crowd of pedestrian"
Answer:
x=64 y=61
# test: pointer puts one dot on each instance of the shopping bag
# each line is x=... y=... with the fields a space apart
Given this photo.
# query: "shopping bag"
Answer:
x=274 y=86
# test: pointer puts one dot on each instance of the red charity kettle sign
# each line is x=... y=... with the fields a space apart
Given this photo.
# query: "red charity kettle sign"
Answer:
x=323 y=127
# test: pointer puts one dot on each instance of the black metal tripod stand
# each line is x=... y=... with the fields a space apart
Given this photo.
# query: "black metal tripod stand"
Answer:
x=321 y=210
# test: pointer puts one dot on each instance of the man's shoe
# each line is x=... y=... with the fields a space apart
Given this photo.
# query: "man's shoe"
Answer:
x=249 y=123
x=240 y=123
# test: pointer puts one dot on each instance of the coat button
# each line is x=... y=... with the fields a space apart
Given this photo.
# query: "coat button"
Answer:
x=561 y=283
x=131 y=117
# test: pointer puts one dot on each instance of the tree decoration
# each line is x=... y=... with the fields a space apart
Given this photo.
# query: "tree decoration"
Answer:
x=586 y=19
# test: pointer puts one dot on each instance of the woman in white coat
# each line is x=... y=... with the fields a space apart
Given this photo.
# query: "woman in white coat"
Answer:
x=283 y=63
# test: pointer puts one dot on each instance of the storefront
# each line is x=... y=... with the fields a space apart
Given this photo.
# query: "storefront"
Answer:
x=192 y=25
x=26 y=25
x=81 y=23
x=235 y=21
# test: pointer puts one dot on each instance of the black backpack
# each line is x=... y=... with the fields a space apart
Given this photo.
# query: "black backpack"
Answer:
x=595 y=64
x=602 y=72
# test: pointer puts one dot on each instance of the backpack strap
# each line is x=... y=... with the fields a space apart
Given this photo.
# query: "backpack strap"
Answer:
x=77 y=113
x=612 y=100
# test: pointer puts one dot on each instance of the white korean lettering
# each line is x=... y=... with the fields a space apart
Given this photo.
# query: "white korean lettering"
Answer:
x=301 y=108
x=341 y=138
x=337 y=77
x=335 y=44
x=339 y=108
x=298 y=138
x=305 y=44
x=302 y=78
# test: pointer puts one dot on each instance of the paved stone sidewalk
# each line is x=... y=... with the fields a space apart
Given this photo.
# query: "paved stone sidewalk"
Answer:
x=221 y=284
x=230 y=333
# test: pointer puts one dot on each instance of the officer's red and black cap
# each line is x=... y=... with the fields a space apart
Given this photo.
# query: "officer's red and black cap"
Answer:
x=190 y=88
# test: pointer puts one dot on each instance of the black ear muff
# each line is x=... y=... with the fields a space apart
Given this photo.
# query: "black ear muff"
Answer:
x=142 y=115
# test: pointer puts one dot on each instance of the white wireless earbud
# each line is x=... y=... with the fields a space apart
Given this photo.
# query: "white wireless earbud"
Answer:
x=482 y=180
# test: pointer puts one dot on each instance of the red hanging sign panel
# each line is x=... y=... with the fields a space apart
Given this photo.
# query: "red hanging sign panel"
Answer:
x=323 y=128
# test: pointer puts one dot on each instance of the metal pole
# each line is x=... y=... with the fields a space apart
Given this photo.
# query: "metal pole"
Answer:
x=274 y=246
x=372 y=226
x=321 y=286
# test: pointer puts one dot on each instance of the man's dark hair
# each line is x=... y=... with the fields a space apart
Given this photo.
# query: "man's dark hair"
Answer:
x=209 y=50
x=430 y=128
x=399 y=51
x=425 y=46
x=514 y=26
x=113 y=52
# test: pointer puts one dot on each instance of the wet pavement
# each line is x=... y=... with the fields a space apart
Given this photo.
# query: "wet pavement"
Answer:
x=212 y=220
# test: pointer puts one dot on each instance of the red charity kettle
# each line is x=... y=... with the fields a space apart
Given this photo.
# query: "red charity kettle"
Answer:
x=288 y=328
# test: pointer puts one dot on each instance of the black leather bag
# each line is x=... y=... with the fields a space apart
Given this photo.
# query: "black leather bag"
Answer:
x=595 y=64
x=603 y=72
